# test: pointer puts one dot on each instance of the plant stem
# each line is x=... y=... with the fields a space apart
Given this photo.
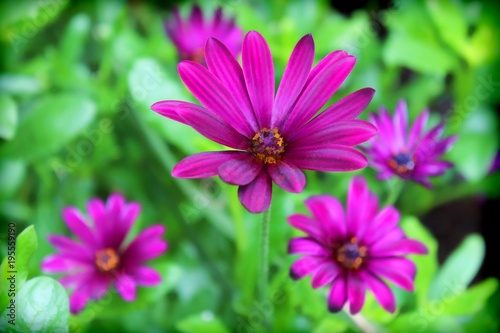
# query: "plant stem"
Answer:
x=264 y=254
x=394 y=191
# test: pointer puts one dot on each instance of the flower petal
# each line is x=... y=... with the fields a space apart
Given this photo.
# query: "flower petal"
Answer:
x=78 y=300
x=349 y=133
x=293 y=80
x=225 y=67
x=57 y=263
x=400 y=122
x=147 y=277
x=126 y=287
x=338 y=294
x=258 y=70
x=381 y=291
x=305 y=266
x=444 y=146
x=169 y=109
x=240 y=170
x=432 y=168
x=125 y=219
x=307 y=225
x=203 y=165
x=256 y=196
x=213 y=95
x=321 y=84
x=333 y=158
x=400 y=271
x=329 y=214
x=288 y=177
x=71 y=249
x=357 y=203
x=384 y=222
x=324 y=274
x=417 y=128
x=347 y=108
x=78 y=226
x=398 y=248
x=307 y=246
x=355 y=292
x=147 y=245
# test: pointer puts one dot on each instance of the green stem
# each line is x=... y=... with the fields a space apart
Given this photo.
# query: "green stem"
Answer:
x=264 y=254
x=394 y=191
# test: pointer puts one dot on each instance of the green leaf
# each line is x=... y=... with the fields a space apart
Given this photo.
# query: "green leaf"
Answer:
x=202 y=322
x=42 y=305
x=16 y=262
x=8 y=117
x=12 y=173
x=46 y=128
x=19 y=84
x=473 y=300
x=459 y=269
x=74 y=38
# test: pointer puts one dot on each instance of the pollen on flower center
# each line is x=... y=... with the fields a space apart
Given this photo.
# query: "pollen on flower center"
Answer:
x=267 y=145
x=402 y=164
x=350 y=254
x=107 y=260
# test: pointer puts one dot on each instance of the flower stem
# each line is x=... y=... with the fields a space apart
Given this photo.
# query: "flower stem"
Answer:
x=264 y=254
x=395 y=189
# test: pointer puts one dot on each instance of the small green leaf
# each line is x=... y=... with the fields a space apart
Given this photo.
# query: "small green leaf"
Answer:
x=459 y=269
x=473 y=300
x=42 y=305
x=8 y=117
x=15 y=264
x=202 y=322
x=12 y=173
x=52 y=122
x=19 y=84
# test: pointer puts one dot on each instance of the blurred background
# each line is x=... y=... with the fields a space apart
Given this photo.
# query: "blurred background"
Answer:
x=77 y=79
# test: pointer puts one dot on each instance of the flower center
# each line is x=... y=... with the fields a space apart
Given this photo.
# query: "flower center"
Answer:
x=107 y=260
x=402 y=164
x=350 y=254
x=267 y=145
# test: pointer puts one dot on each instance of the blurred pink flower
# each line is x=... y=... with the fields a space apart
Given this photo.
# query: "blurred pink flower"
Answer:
x=273 y=137
x=408 y=153
x=352 y=252
x=191 y=35
x=99 y=257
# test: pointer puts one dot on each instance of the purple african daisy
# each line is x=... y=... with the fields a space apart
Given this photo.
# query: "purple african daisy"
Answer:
x=274 y=137
x=353 y=251
x=414 y=155
x=100 y=258
x=190 y=36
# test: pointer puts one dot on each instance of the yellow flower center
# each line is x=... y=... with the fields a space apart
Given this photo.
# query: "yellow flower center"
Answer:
x=268 y=145
x=107 y=260
x=350 y=254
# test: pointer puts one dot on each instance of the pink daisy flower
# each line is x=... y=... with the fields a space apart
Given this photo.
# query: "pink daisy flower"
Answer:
x=407 y=154
x=352 y=252
x=99 y=258
x=273 y=137
x=190 y=36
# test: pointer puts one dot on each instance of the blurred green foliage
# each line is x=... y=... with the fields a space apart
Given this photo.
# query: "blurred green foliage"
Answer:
x=76 y=84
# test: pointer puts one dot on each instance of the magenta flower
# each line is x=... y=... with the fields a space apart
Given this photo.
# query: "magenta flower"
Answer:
x=412 y=155
x=353 y=251
x=100 y=258
x=190 y=36
x=273 y=137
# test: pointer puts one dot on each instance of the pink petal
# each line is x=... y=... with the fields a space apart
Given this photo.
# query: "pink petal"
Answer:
x=169 y=109
x=148 y=240
x=125 y=220
x=208 y=124
x=57 y=263
x=324 y=274
x=329 y=214
x=424 y=149
x=212 y=94
x=444 y=146
x=126 y=287
x=338 y=294
x=71 y=249
x=258 y=70
x=288 y=177
x=203 y=165
x=400 y=271
x=78 y=300
x=240 y=170
x=417 y=128
x=307 y=246
x=97 y=211
x=355 y=292
x=256 y=196
x=305 y=266
x=294 y=78
x=433 y=168
x=147 y=277
x=384 y=222
x=78 y=226
x=225 y=67
x=349 y=133
x=357 y=200
x=322 y=83
x=333 y=158
x=400 y=123
x=397 y=248
x=381 y=291
x=307 y=225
